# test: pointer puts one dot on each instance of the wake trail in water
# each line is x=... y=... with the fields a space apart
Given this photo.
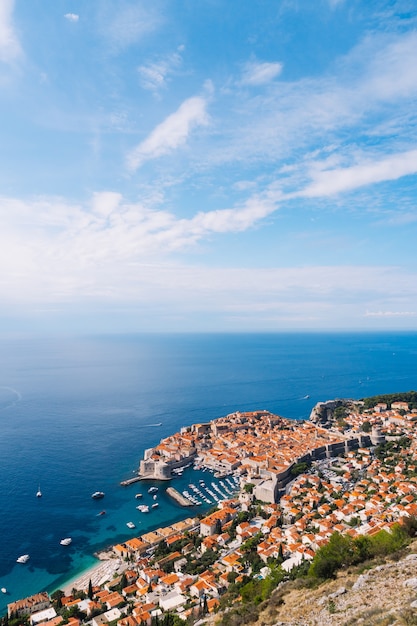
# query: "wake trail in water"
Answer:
x=17 y=394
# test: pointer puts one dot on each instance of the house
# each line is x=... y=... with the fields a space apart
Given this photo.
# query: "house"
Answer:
x=29 y=605
x=99 y=620
x=43 y=616
x=172 y=600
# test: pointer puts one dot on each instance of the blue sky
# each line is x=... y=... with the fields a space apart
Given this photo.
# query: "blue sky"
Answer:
x=208 y=165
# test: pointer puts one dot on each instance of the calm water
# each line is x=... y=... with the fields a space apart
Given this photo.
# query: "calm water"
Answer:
x=76 y=415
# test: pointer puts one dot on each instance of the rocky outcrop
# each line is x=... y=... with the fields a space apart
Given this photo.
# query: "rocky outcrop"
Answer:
x=385 y=594
x=322 y=412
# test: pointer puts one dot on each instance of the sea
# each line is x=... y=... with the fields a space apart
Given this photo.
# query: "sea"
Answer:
x=77 y=414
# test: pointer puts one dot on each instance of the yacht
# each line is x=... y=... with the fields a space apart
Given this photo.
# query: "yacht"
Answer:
x=130 y=525
x=143 y=508
x=23 y=559
x=152 y=489
x=138 y=495
x=155 y=505
x=66 y=541
x=3 y=590
x=97 y=495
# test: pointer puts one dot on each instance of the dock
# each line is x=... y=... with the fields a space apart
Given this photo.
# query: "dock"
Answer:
x=178 y=497
x=130 y=481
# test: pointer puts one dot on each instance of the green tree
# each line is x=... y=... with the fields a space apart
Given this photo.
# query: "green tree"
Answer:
x=331 y=557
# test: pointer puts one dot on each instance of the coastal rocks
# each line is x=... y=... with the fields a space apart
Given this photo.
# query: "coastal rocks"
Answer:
x=322 y=412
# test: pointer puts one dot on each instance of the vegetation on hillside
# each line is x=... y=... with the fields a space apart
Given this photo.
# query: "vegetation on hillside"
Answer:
x=407 y=396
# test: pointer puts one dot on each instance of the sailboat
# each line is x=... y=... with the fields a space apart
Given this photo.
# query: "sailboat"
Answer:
x=39 y=492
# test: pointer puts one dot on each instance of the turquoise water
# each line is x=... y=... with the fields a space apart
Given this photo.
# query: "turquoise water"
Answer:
x=76 y=415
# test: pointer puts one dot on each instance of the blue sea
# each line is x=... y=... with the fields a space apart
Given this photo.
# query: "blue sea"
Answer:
x=77 y=413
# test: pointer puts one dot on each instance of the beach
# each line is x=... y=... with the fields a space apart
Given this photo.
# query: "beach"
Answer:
x=107 y=567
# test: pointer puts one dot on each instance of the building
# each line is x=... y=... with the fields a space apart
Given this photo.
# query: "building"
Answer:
x=29 y=605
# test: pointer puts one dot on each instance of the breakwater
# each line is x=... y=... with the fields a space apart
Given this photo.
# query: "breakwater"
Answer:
x=178 y=497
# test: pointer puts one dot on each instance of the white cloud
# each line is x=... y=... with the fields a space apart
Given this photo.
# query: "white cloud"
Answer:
x=153 y=76
x=390 y=314
x=112 y=252
x=171 y=133
x=72 y=17
x=370 y=91
x=330 y=182
x=10 y=48
x=260 y=73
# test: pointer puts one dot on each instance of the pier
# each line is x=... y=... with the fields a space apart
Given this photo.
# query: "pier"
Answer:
x=178 y=497
x=130 y=481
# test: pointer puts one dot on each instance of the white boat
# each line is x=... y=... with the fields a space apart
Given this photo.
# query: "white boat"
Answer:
x=138 y=495
x=3 y=590
x=97 y=495
x=23 y=559
x=130 y=525
x=143 y=508
x=66 y=541
x=39 y=492
x=152 y=489
x=155 y=497
x=155 y=505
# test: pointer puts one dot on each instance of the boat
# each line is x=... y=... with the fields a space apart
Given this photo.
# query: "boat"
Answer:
x=130 y=525
x=23 y=559
x=152 y=489
x=155 y=505
x=138 y=495
x=97 y=495
x=66 y=541
x=155 y=497
x=39 y=492
x=102 y=513
x=3 y=590
x=143 y=508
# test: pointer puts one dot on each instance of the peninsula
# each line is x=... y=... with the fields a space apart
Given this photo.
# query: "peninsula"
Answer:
x=268 y=448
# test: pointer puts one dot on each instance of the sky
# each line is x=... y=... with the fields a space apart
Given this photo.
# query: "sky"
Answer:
x=208 y=165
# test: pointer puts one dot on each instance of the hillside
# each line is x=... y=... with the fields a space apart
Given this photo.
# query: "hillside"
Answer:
x=383 y=595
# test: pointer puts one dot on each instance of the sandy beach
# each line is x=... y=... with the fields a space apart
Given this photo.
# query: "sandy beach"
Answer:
x=107 y=566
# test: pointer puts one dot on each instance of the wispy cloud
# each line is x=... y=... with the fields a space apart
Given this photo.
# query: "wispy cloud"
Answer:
x=390 y=314
x=258 y=73
x=153 y=76
x=10 y=48
x=368 y=92
x=112 y=251
x=171 y=133
x=333 y=181
x=125 y=23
